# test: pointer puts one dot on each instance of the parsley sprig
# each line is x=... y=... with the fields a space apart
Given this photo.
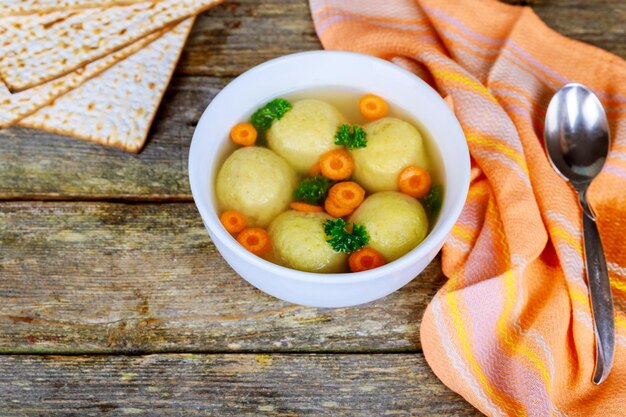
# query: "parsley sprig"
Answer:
x=433 y=200
x=352 y=137
x=274 y=110
x=343 y=241
x=313 y=189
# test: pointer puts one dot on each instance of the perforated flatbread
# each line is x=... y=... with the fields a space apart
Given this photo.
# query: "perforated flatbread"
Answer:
x=37 y=48
x=21 y=7
x=15 y=106
x=116 y=108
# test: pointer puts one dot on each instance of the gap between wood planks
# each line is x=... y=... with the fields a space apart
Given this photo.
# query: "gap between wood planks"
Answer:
x=104 y=198
x=57 y=353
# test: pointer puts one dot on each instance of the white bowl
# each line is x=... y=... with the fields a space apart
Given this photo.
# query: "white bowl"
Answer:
x=324 y=70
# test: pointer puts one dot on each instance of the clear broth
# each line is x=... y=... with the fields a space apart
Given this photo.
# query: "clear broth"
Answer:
x=346 y=101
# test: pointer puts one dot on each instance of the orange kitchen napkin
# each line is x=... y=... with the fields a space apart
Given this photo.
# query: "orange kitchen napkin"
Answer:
x=511 y=330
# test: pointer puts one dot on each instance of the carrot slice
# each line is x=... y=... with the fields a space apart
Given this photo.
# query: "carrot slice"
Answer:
x=255 y=239
x=336 y=165
x=305 y=207
x=315 y=169
x=365 y=259
x=243 y=134
x=347 y=194
x=373 y=107
x=414 y=181
x=335 y=210
x=233 y=221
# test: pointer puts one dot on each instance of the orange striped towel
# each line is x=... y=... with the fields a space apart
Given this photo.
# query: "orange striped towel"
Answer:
x=511 y=330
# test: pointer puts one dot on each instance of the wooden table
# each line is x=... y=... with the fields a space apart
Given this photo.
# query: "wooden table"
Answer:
x=114 y=300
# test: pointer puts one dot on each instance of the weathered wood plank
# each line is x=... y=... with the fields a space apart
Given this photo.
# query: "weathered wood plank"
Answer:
x=103 y=277
x=226 y=41
x=36 y=164
x=238 y=35
x=226 y=385
x=598 y=22
x=280 y=27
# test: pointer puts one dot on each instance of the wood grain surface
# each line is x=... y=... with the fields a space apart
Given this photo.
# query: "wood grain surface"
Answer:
x=225 y=385
x=119 y=268
x=102 y=277
x=225 y=41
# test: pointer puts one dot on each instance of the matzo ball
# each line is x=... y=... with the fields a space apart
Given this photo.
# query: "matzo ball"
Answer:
x=392 y=145
x=305 y=133
x=395 y=222
x=257 y=183
x=299 y=242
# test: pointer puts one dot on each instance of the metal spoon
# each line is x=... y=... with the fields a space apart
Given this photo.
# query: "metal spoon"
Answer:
x=577 y=141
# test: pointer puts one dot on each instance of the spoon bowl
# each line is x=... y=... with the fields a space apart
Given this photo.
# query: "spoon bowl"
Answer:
x=577 y=133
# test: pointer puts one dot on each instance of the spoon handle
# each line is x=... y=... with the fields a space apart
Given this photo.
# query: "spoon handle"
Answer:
x=600 y=296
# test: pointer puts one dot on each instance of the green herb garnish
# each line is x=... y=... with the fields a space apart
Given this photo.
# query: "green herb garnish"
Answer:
x=274 y=110
x=433 y=200
x=352 y=137
x=312 y=190
x=343 y=241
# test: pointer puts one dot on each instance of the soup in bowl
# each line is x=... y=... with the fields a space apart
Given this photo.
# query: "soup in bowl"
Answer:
x=328 y=178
